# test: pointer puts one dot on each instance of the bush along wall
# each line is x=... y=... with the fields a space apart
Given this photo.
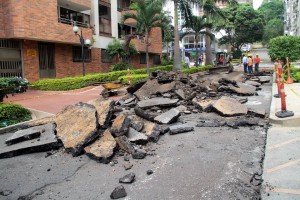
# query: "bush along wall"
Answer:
x=12 y=114
x=83 y=81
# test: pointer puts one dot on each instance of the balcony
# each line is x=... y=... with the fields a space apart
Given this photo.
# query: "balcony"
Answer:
x=129 y=22
x=72 y=17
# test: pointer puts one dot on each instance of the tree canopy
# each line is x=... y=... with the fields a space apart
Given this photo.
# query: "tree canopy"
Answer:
x=273 y=12
x=242 y=25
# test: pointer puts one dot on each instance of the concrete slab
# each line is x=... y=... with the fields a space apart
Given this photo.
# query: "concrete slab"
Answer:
x=157 y=102
x=282 y=164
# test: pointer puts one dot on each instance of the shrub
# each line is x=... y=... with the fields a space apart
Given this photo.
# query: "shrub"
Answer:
x=13 y=113
x=285 y=46
x=195 y=69
x=166 y=61
x=77 y=82
x=133 y=78
x=11 y=86
x=121 y=66
x=237 y=54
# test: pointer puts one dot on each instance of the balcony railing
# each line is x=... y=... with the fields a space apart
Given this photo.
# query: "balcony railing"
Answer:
x=73 y=23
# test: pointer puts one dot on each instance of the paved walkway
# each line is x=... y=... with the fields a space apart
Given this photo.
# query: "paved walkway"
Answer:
x=54 y=101
x=282 y=159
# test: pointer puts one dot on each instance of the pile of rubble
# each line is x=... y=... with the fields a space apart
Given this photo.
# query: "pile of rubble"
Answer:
x=102 y=127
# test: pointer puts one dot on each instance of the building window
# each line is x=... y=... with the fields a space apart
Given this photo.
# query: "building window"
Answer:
x=143 y=58
x=105 y=57
x=104 y=18
x=124 y=30
x=156 y=59
x=123 y=4
x=77 y=54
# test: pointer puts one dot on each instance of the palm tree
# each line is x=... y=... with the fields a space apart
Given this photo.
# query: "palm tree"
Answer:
x=197 y=24
x=211 y=11
x=147 y=14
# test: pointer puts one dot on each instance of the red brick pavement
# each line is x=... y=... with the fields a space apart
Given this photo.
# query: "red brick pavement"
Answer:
x=55 y=101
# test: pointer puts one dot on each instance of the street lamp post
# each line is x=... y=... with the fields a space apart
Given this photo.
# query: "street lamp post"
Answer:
x=84 y=43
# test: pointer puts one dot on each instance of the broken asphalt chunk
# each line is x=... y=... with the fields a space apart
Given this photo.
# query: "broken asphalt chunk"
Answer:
x=128 y=178
x=47 y=141
x=176 y=129
x=227 y=106
x=77 y=126
x=139 y=154
x=180 y=94
x=211 y=123
x=136 y=137
x=104 y=111
x=168 y=117
x=118 y=192
x=103 y=148
x=159 y=101
x=137 y=125
x=120 y=125
x=22 y=135
x=125 y=144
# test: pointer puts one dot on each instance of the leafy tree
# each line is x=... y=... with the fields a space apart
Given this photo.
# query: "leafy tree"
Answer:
x=242 y=25
x=198 y=25
x=273 y=9
x=116 y=49
x=273 y=12
x=274 y=28
x=148 y=15
x=285 y=46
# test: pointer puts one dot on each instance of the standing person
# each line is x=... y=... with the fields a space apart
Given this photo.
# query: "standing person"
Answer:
x=187 y=62
x=256 y=62
x=245 y=63
x=250 y=64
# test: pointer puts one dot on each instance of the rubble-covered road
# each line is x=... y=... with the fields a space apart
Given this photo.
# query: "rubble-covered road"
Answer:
x=220 y=159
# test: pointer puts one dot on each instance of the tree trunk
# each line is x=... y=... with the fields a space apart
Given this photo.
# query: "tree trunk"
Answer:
x=177 y=60
x=208 y=51
x=197 y=52
x=147 y=52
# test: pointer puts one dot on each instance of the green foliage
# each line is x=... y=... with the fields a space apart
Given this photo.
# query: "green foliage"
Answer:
x=272 y=10
x=274 y=28
x=237 y=54
x=116 y=49
x=285 y=46
x=242 y=25
x=133 y=78
x=166 y=60
x=13 y=113
x=295 y=73
x=195 y=69
x=11 y=86
x=83 y=81
x=121 y=66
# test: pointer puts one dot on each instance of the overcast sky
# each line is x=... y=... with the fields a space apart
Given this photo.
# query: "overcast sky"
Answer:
x=256 y=3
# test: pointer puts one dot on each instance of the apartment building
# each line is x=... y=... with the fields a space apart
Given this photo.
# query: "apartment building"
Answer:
x=37 y=41
x=292 y=17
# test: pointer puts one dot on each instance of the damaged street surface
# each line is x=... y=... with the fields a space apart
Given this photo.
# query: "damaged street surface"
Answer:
x=172 y=136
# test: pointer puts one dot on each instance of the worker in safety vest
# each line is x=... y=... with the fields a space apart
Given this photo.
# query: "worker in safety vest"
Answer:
x=256 y=62
x=250 y=64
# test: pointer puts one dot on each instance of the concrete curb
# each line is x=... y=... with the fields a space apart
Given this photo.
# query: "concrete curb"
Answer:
x=276 y=106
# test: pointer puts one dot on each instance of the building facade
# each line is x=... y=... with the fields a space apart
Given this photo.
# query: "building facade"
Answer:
x=292 y=17
x=37 y=41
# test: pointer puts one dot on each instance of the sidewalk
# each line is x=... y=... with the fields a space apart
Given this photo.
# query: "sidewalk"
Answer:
x=281 y=172
x=54 y=101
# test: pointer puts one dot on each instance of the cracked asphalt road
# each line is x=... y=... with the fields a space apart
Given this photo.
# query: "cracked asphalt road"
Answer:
x=208 y=163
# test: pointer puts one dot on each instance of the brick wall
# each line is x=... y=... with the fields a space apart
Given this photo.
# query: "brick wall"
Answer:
x=155 y=42
x=2 y=33
x=65 y=67
x=36 y=20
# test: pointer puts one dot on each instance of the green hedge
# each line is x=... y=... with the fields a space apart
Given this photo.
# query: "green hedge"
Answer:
x=83 y=81
x=133 y=78
x=13 y=113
